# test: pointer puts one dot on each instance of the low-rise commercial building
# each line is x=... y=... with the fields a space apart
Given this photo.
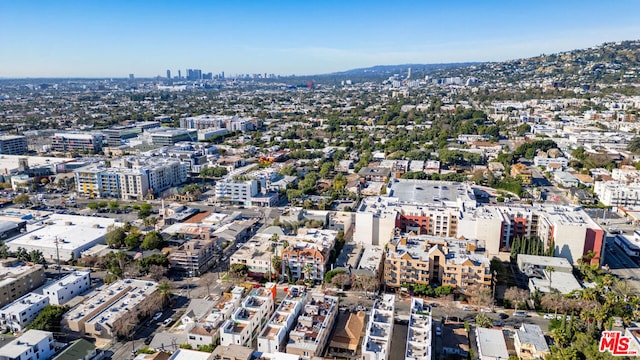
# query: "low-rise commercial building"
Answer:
x=376 y=344
x=17 y=279
x=419 y=333
x=20 y=313
x=113 y=309
x=66 y=236
x=32 y=345
x=68 y=287
x=310 y=336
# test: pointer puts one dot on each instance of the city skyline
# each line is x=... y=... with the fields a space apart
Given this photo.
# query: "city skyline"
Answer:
x=114 y=39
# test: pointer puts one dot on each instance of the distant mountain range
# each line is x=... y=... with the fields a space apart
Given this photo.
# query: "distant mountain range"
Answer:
x=614 y=62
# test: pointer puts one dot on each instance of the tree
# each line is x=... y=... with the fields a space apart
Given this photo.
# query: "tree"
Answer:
x=92 y=205
x=307 y=270
x=444 y=290
x=4 y=250
x=340 y=280
x=114 y=205
x=165 y=292
x=145 y=210
x=483 y=321
x=157 y=272
x=22 y=254
x=115 y=238
x=206 y=279
x=36 y=257
x=550 y=270
x=516 y=296
x=49 y=319
x=132 y=241
x=239 y=270
x=553 y=301
x=276 y=264
x=22 y=199
x=153 y=240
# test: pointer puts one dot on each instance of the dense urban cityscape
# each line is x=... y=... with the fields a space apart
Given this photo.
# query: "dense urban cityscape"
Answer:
x=453 y=211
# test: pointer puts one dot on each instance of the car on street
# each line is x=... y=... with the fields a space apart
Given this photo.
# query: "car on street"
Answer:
x=438 y=331
x=167 y=321
x=503 y=316
x=157 y=315
x=486 y=310
x=549 y=316
x=520 y=314
x=468 y=308
x=498 y=323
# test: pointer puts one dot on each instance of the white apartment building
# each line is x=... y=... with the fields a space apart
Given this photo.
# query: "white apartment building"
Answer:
x=247 y=320
x=274 y=335
x=419 y=332
x=68 y=287
x=613 y=193
x=20 y=313
x=377 y=340
x=545 y=161
x=236 y=191
x=130 y=178
x=310 y=336
x=32 y=345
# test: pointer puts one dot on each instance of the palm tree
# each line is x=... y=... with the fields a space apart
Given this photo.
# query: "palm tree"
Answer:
x=550 y=270
x=307 y=270
x=165 y=292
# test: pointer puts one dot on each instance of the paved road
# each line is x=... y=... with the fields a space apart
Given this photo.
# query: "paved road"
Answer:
x=620 y=264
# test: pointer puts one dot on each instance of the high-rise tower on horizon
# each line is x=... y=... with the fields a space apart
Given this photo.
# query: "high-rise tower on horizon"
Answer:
x=168 y=74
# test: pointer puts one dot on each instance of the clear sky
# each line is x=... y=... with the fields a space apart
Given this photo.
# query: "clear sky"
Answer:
x=112 y=38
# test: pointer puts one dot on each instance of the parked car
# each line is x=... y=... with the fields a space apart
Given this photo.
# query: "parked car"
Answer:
x=520 y=314
x=498 y=323
x=503 y=316
x=468 y=308
x=157 y=315
x=438 y=331
x=167 y=321
x=549 y=316
x=486 y=310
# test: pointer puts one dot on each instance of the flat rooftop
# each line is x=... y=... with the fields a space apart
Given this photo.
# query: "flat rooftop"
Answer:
x=67 y=280
x=491 y=343
x=71 y=232
x=430 y=192
x=23 y=303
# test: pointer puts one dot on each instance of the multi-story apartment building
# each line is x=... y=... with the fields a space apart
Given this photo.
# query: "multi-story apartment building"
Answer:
x=63 y=142
x=130 y=178
x=17 y=279
x=376 y=344
x=308 y=253
x=273 y=337
x=237 y=191
x=419 y=332
x=423 y=259
x=310 y=336
x=256 y=254
x=248 y=320
x=20 y=313
x=113 y=310
x=165 y=136
x=32 y=345
x=116 y=135
x=194 y=257
x=13 y=145
x=613 y=193
x=68 y=287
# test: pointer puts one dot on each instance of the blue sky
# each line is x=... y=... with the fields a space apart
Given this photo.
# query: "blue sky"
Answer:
x=113 y=38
